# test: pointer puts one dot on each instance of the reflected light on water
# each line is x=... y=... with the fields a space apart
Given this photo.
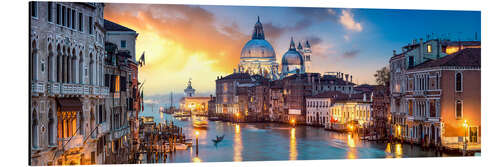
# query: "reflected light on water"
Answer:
x=351 y=153
x=293 y=145
x=196 y=159
x=399 y=150
x=238 y=146
x=350 y=141
x=388 y=151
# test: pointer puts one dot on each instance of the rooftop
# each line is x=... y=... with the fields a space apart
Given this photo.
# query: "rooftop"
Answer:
x=469 y=57
x=111 y=26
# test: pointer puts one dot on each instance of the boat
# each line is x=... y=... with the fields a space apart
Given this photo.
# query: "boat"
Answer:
x=218 y=139
x=200 y=124
x=213 y=118
x=180 y=146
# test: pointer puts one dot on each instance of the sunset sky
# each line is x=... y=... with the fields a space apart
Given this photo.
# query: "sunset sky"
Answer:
x=203 y=42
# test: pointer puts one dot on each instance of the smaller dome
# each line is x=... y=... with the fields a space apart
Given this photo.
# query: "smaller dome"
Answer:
x=292 y=57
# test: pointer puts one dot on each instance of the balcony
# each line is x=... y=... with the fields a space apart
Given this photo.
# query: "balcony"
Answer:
x=76 y=141
x=37 y=87
x=56 y=88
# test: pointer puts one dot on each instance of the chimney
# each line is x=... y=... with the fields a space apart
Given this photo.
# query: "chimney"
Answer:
x=351 y=78
x=394 y=52
x=346 y=77
x=364 y=97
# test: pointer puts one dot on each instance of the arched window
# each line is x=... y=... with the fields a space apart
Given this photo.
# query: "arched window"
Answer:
x=51 y=128
x=80 y=68
x=50 y=69
x=34 y=61
x=34 y=129
x=458 y=82
x=459 y=109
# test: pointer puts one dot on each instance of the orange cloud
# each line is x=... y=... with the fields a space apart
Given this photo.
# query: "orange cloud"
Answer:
x=180 y=42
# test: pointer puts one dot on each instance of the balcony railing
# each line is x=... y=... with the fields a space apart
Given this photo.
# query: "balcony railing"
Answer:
x=37 y=87
x=56 y=88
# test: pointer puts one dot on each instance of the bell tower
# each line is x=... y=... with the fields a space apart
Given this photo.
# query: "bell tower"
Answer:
x=189 y=91
x=307 y=56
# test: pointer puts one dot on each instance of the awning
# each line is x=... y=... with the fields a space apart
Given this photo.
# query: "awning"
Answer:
x=69 y=104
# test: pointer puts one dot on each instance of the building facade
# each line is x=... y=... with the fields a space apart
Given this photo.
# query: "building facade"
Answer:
x=421 y=79
x=67 y=82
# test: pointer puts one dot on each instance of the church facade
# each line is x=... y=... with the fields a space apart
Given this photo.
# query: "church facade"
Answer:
x=259 y=58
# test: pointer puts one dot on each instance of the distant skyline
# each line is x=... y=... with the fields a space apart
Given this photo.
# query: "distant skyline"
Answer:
x=203 y=42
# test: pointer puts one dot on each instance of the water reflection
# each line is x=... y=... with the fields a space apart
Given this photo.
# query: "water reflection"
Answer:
x=352 y=151
x=197 y=159
x=268 y=141
x=397 y=152
x=293 y=145
x=238 y=146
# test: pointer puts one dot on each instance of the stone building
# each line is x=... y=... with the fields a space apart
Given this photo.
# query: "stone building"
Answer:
x=197 y=105
x=420 y=75
x=66 y=82
x=381 y=111
x=350 y=112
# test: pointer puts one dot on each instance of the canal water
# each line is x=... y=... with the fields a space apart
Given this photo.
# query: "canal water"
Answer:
x=272 y=141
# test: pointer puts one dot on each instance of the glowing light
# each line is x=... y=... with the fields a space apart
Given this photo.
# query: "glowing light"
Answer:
x=238 y=114
x=350 y=141
x=399 y=150
x=238 y=146
x=197 y=160
x=293 y=145
x=237 y=130
x=197 y=133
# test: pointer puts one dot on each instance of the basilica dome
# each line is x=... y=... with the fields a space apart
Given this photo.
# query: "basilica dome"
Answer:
x=292 y=57
x=292 y=61
x=258 y=48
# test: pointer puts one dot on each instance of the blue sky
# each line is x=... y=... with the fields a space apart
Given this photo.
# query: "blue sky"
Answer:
x=203 y=42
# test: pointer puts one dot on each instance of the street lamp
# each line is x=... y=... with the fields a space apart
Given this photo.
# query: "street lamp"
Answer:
x=292 y=122
x=465 y=125
x=197 y=134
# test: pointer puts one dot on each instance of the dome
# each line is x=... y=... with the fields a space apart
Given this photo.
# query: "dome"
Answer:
x=292 y=57
x=258 y=48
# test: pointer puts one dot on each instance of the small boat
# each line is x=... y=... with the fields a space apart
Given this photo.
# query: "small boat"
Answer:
x=180 y=146
x=218 y=139
x=200 y=124
x=213 y=118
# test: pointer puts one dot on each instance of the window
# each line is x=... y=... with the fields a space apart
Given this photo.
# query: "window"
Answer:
x=410 y=61
x=68 y=17
x=80 y=22
x=63 y=14
x=432 y=108
x=34 y=130
x=90 y=25
x=49 y=10
x=429 y=48
x=34 y=9
x=458 y=82
x=58 y=15
x=410 y=107
x=73 y=19
x=458 y=109
x=51 y=128
x=123 y=44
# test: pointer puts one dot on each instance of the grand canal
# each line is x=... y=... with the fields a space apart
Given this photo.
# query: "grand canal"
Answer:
x=271 y=141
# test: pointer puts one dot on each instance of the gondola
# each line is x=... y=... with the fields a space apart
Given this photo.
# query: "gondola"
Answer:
x=218 y=139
